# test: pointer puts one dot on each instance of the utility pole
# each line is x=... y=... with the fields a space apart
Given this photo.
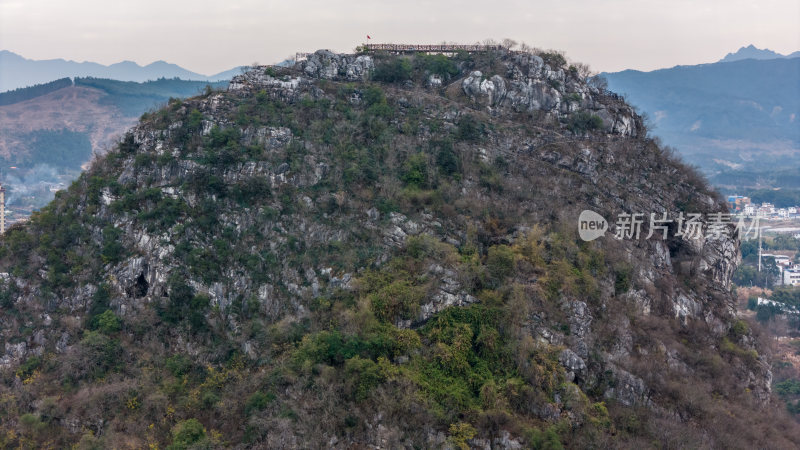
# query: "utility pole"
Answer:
x=759 y=249
x=2 y=210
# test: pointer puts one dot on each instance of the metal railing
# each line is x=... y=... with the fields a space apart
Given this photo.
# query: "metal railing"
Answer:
x=431 y=48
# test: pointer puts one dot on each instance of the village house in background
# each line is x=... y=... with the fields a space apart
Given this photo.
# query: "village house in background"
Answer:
x=743 y=206
x=780 y=221
x=791 y=276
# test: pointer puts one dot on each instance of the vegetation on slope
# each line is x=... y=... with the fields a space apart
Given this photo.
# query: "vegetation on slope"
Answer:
x=351 y=362
x=27 y=93
x=134 y=98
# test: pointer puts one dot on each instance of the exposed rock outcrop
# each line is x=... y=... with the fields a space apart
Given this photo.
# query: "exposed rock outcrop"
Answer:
x=333 y=66
x=278 y=218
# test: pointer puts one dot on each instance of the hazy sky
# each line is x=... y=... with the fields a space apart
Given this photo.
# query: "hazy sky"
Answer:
x=212 y=36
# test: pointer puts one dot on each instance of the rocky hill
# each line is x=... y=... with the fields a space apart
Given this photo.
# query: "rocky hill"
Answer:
x=373 y=251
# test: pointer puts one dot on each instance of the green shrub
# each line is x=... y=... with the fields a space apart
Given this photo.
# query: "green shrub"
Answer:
x=27 y=368
x=31 y=424
x=195 y=121
x=381 y=111
x=599 y=415
x=222 y=147
x=545 y=440
x=100 y=304
x=113 y=251
x=727 y=346
x=184 y=304
x=128 y=144
x=489 y=177
x=258 y=402
x=399 y=299
x=415 y=171
x=765 y=313
x=500 y=262
x=102 y=353
x=223 y=137
x=334 y=348
x=143 y=160
x=209 y=398
x=392 y=71
x=108 y=322
x=469 y=129
x=622 y=278
x=788 y=387
x=405 y=340
x=163 y=214
x=460 y=433
x=364 y=375
x=554 y=59
x=447 y=160
x=329 y=347
x=373 y=95
x=739 y=329
x=424 y=246
x=786 y=295
x=583 y=121
x=197 y=309
x=466 y=352
x=251 y=191
x=186 y=434
x=437 y=64
x=178 y=365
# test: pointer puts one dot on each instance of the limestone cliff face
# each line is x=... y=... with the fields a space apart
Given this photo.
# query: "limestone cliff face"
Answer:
x=528 y=84
x=290 y=188
x=531 y=85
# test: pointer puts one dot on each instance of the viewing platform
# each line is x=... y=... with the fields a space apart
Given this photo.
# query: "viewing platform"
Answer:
x=415 y=48
x=436 y=48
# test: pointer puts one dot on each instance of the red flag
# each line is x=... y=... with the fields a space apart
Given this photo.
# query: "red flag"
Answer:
x=368 y=37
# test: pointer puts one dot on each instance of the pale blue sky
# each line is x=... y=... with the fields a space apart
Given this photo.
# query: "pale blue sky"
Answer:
x=211 y=36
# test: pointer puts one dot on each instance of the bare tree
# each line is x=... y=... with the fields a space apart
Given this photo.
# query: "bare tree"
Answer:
x=583 y=70
x=508 y=44
x=598 y=82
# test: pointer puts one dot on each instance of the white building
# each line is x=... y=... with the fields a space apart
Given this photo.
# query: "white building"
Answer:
x=791 y=277
x=749 y=209
x=766 y=209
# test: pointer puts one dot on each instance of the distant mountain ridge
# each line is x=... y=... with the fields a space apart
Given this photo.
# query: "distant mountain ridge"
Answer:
x=739 y=114
x=753 y=52
x=48 y=131
x=101 y=107
x=18 y=71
